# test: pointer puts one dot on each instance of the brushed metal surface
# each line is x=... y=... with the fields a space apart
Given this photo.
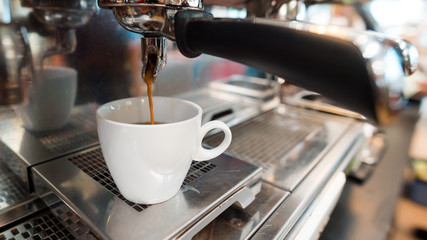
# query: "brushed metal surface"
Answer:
x=111 y=217
x=317 y=214
x=36 y=147
x=12 y=189
x=287 y=142
x=287 y=215
x=92 y=163
x=13 y=162
x=56 y=223
x=236 y=223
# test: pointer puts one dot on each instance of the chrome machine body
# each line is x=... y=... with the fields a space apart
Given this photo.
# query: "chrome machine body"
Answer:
x=283 y=172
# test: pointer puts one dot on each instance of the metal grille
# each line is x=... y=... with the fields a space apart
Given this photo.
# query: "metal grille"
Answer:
x=79 y=132
x=13 y=162
x=57 y=223
x=12 y=189
x=197 y=170
x=267 y=138
x=93 y=164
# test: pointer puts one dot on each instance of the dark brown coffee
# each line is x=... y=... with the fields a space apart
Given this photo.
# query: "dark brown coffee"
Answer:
x=149 y=79
x=149 y=123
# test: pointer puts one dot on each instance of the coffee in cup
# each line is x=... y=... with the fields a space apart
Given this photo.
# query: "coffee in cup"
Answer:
x=149 y=163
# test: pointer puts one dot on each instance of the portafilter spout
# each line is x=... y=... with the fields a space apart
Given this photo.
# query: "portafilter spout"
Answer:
x=361 y=71
x=153 y=50
x=154 y=20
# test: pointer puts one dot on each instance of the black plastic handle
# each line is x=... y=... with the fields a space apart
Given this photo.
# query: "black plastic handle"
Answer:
x=330 y=66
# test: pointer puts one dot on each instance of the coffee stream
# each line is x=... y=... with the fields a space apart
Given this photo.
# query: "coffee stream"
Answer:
x=148 y=123
x=149 y=80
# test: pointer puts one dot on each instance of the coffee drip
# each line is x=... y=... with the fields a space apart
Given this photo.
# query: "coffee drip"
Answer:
x=149 y=123
x=149 y=80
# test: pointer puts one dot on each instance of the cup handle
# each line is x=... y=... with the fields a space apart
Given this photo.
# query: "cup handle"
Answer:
x=201 y=153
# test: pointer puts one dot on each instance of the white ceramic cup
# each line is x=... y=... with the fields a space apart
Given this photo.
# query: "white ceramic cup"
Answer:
x=149 y=162
x=51 y=99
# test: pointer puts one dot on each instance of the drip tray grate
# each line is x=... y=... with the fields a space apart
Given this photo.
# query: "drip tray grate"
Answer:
x=12 y=189
x=268 y=138
x=93 y=164
x=34 y=147
x=210 y=188
x=80 y=131
x=56 y=223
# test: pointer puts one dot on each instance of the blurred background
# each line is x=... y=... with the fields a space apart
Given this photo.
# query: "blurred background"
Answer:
x=386 y=199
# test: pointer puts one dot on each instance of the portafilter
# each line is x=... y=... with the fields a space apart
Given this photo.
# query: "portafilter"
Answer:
x=360 y=70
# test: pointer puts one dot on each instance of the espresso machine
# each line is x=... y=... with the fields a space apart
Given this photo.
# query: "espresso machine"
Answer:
x=286 y=166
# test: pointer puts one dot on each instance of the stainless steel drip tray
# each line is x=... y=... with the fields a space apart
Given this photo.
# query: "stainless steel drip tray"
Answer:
x=83 y=182
x=12 y=188
x=56 y=223
x=235 y=223
x=34 y=147
x=287 y=142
